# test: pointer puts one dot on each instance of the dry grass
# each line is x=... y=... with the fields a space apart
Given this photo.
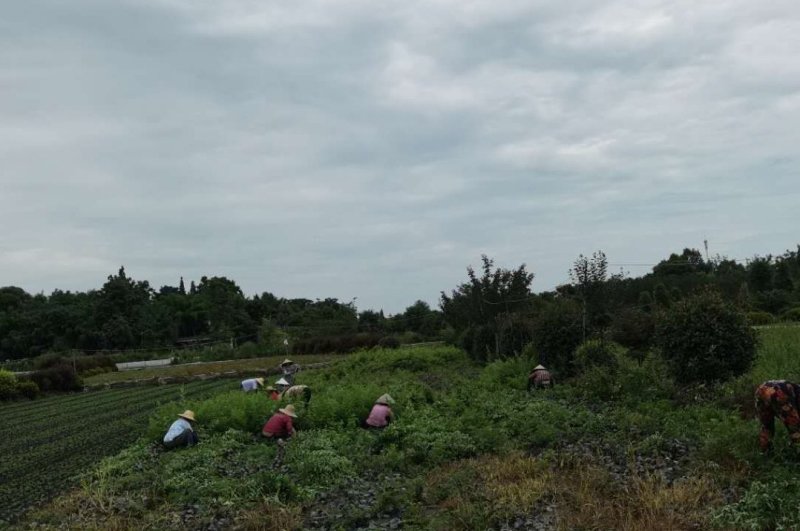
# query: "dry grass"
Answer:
x=271 y=515
x=484 y=492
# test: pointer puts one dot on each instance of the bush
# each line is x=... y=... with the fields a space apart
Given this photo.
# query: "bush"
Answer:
x=389 y=342
x=760 y=318
x=793 y=314
x=95 y=364
x=8 y=385
x=58 y=378
x=597 y=353
x=27 y=388
x=771 y=504
x=705 y=339
x=634 y=329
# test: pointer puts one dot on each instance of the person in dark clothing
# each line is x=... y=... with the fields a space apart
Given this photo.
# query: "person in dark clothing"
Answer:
x=540 y=378
x=777 y=398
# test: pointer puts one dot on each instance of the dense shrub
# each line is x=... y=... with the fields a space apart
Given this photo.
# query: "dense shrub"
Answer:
x=11 y=387
x=634 y=329
x=770 y=504
x=706 y=339
x=760 y=318
x=27 y=388
x=58 y=378
x=389 y=342
x=792 y=314
x=597 y=353
x=95 y=364
x=8 y=385
x=338 y=344
x=556 y=334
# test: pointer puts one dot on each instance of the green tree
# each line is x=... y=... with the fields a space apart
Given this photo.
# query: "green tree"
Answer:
x=706 y=339
x=481 y=308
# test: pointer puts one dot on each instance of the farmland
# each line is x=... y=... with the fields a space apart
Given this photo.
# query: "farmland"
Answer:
x=470 y=449
x=194 y=369
x=46 y=442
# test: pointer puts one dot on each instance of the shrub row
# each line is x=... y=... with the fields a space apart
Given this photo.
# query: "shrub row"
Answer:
x=11 y=387
x=343 y=344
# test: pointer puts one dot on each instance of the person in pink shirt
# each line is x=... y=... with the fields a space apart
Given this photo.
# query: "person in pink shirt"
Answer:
x=381 y=414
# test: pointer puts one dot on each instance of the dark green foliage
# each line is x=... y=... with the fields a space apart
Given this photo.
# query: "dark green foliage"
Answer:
x=760 y=318
x=597 y=353
x=662 y=296
x=705 y=339
x=390 y=342
x=27 y=388
x=633 y=328
x=688 y=262
x=485 y=311
x=57 y=378
x=556 y=334
x=791 y=315
x=767 y=504
x=81 y=363
x=330 y=344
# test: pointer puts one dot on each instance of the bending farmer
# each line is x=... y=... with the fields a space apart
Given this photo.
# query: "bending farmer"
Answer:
x=252 y=384
x=298 y=391
x=540 y=378
x=181 y=432
x=777 y=398
x=289 y=370
x=381 y=414
x=279 y=426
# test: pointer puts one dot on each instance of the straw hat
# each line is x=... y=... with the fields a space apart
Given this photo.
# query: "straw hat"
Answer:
x=287 y=361
x=270 y=388
x=539 y=368
x=188 y=415
x=288 y=410
x=282 y=381
x=260 y=381
x=385 y=400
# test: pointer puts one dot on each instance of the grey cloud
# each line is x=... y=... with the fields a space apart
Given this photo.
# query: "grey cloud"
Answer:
x=351 y=148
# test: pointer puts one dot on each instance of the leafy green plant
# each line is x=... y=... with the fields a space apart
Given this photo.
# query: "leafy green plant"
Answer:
x=705 y=339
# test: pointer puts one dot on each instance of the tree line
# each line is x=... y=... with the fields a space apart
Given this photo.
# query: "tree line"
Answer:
x=129 y=314
x=494 y=313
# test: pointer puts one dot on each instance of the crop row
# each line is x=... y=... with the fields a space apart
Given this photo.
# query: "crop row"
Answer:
x=45 y=412
x=43 y=453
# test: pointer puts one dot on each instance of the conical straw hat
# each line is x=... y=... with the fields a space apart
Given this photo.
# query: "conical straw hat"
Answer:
x=288 y=410
x=188 y=415
x=282 y=381
x=260 y=381
x=385 y=400
x=539 y=368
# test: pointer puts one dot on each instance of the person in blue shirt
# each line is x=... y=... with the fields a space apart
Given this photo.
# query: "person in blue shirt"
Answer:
x=181 y=432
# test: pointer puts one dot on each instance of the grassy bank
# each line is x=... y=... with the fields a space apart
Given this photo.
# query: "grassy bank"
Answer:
x=470 y=449
x=213 y=367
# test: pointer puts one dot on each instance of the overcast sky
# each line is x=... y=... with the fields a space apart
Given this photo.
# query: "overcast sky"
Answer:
x=374 y=149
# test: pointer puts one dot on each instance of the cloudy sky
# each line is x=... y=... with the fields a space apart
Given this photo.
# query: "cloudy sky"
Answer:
x=374 y=149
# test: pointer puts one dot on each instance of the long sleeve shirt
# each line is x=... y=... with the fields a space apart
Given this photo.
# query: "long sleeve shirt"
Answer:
x=250 y=385
x=177 y=427
x=279 y=425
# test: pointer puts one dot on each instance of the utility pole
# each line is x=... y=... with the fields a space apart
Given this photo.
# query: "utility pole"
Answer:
x=705 y=244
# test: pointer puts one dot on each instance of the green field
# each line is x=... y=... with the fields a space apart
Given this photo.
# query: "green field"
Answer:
x=470 y=449
x=45 y=443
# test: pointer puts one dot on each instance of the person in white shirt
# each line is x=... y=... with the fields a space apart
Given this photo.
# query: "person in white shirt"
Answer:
x=181 y=432
x=252 y=384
